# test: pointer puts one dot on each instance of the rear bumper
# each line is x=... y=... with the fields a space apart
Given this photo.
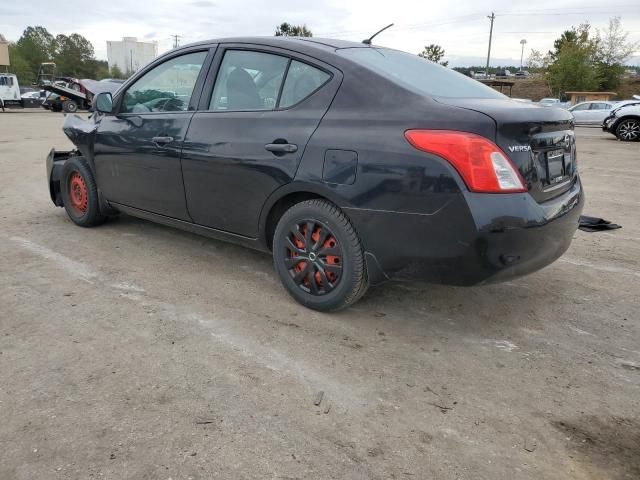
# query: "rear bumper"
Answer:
x=476 y=238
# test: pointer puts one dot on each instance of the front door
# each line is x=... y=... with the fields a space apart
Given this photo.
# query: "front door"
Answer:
x=250 y=136
x=137 y=150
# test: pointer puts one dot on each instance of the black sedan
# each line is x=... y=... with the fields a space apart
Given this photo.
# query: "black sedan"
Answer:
x=349 y=162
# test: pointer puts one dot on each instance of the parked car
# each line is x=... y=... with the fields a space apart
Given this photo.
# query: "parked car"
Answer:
x=554 y=102
x=591 y=113
x=347 y=162
x=33 y=98
x=549 y=102
x=522 y=74
x=480 y=74
x=624 y=121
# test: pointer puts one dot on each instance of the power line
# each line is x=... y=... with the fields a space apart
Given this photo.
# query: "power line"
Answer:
x=176 y=42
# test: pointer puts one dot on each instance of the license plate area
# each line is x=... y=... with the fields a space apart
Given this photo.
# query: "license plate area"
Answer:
x=555 y=166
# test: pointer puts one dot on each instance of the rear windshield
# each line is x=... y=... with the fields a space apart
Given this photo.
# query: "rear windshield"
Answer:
x=419 y=74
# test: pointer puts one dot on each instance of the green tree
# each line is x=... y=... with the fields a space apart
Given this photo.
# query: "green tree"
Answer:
x=74 y=56
x=287 y=30
x=573 y=64
x=36 y=45
x=435 y=53
x=612 y=51
x=101 y=69
x=568 y=36
x=19 y=66
x=115 y=72
x=538 y=63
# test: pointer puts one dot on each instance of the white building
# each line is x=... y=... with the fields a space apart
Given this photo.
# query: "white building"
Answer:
x=130 y=54
x=4 y=51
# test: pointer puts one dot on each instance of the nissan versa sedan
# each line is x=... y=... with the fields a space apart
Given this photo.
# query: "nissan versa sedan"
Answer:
x=349 y=163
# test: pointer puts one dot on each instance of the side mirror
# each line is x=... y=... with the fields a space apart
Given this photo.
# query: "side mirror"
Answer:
x=103 y=102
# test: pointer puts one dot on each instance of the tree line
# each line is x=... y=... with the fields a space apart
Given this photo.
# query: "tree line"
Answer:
x=580 y=60
x=584 y=60
x=73 y=55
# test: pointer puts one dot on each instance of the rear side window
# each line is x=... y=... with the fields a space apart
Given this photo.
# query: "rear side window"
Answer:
x=417 y=74
x=578 y=108
x=248 y=81
x=302 y=80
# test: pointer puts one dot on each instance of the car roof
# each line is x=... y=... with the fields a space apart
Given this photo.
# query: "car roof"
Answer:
x=286 y=42
x=594 y=101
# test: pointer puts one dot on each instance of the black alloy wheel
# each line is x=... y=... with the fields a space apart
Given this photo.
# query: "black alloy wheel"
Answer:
x=313 y=257
x=319 y=257
x=629 y=130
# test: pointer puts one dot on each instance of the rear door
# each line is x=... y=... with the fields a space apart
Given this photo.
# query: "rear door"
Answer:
x=247 y=139
x=599 y=111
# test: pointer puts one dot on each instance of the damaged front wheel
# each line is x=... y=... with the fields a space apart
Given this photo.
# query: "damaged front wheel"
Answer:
x=80 y=194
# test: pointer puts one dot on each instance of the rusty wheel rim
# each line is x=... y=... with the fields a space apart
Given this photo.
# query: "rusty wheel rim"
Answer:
x=78 y=193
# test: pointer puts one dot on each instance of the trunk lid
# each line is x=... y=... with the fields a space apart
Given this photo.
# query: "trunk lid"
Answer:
x=540 y=141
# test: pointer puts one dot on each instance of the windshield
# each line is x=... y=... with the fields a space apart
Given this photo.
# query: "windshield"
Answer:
x=620 y=107
x=418 y=74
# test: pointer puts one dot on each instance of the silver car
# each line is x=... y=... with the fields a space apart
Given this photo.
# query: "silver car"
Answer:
x=591 y=113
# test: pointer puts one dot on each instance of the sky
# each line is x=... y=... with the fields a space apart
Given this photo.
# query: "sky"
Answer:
x=461 y=27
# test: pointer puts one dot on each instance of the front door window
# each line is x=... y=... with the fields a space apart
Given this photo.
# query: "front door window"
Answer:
x=166 y=88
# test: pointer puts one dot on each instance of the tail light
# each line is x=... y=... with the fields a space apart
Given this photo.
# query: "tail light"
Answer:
x=483 y=166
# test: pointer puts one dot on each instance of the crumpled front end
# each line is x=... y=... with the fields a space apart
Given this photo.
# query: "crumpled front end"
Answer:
x=81 y=131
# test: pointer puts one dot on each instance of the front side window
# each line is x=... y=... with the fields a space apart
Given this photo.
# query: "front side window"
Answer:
x=248 y=81
x=302 y=80
x=167 y=87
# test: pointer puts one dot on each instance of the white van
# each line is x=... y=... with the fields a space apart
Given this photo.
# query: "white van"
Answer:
x=9 y=90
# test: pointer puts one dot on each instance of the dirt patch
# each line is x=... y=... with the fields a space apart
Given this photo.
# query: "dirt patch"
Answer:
x=610 y=444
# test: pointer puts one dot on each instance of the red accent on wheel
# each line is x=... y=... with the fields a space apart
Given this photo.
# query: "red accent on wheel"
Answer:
x=314 y=257
x=78 y=193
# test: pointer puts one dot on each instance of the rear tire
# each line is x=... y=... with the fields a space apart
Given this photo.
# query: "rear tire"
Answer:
x=80 y=193
x=628 y=130
x=319 y=257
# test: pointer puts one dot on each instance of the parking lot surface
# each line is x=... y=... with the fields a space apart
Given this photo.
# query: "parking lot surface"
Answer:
x=136 y=351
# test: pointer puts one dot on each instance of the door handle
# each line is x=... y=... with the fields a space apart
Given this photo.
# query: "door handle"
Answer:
x=162 y=140
x=281 y=147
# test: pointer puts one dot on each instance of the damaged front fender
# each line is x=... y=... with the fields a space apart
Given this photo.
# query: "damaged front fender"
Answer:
x=55 y=163
x=82 y=132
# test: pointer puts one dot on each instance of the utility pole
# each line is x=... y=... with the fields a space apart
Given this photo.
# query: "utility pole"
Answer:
x=175 y=40
x=492 y=18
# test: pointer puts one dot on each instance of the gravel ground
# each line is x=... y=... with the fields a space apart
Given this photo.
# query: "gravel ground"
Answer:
x=136 y=351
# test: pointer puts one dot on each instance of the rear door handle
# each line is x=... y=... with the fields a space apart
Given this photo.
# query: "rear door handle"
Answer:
x=162 y=140
x=281 y=147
